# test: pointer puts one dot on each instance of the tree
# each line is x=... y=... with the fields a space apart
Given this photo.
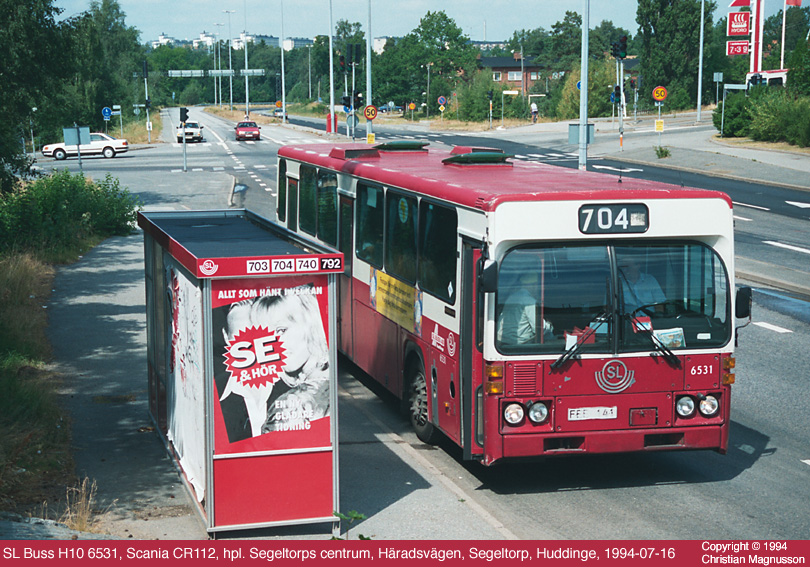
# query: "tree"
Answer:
x=566 y=41
x=798 y=78
x=601 y=75
x=437 y=48
x=670 y=35
x=35 y=59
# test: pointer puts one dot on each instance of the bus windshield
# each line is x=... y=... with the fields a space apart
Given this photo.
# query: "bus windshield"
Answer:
x=611 y=298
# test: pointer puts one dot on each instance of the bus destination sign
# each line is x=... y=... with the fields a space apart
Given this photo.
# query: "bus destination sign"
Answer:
x=613 y=218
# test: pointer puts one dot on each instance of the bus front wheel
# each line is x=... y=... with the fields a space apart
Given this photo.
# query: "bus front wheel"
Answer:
x=418 y=405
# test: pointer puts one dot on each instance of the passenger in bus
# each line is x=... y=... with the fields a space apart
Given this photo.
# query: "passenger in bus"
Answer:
x=517 y=324
x=639 y=288
x=296 y=319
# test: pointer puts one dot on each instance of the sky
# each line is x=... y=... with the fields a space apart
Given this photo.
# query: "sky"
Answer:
x=479 y=19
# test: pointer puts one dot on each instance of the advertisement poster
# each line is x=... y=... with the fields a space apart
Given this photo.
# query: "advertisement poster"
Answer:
x=271 y=364
x=396 y=300
x=186 y=388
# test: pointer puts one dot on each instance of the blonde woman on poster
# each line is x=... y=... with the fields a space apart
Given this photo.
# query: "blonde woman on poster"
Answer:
x=296 y=319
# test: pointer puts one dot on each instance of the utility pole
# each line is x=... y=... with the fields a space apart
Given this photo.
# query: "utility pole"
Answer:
x=583 y=91
x=247 y=81
x=700 y=62
x=369 y=127
x=230 y=61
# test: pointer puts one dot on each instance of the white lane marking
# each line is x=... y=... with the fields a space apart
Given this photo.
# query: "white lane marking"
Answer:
x=806 y=461
x=260 y=167
x=800 y=205
x=773 y=328
x=219 y=169
x=751 y=206
x=625 y=170
x=742 y=218
x=787 y=246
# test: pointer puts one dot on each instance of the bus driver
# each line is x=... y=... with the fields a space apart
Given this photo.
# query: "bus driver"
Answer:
x=518 y=321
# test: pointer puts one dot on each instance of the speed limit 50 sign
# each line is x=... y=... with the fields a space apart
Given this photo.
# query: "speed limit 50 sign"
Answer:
x=659 y=93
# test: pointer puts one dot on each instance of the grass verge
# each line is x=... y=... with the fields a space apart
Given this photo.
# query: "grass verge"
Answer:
x=52 y=220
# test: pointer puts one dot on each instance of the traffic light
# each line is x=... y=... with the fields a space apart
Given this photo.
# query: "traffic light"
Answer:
x=632 y=83
x=617 y=94
x=623 y=47
x=145 y=70
x=614 y=50
x=183 y=114
x=489 y=95
x=342 y=62
x=358 y=100
x=148 y=103
x=347 y=101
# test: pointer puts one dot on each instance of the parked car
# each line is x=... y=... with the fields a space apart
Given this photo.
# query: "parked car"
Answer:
x=194 y=132
x=247 y=131
x=99 y=144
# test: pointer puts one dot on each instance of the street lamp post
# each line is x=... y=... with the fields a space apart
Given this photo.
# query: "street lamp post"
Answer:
x=230 y=61
x=283 y=84
x=427 y=105
x=700 y=63
x=247 y=89
x=218 y=54
x=309 y=60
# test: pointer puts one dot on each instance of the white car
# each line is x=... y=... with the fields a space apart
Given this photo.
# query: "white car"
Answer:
x=99 y=144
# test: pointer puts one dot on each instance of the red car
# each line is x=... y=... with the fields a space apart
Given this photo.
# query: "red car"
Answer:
x=247 y=131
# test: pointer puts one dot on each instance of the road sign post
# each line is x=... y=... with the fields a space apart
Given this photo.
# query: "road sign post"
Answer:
x=659 y=94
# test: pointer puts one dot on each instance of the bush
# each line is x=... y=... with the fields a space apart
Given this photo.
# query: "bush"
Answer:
x=62 y=210
x=771 y=114
x=797 y=130
x=737 y=116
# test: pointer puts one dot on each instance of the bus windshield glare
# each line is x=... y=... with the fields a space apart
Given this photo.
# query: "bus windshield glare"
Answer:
x=611 y=299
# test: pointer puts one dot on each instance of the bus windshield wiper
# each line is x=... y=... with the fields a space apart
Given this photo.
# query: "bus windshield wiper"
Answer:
x=658 y=345
x=571 y=351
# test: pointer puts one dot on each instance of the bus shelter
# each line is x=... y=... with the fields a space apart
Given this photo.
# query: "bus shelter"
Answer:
x=242 y=366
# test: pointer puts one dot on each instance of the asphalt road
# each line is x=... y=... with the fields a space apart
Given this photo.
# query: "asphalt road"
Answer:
x=407 y=490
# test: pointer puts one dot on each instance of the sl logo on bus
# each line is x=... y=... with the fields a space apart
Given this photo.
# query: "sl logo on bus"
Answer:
x=614 y=377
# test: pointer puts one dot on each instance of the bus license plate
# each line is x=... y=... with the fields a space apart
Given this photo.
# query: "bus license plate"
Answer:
x=585 y=414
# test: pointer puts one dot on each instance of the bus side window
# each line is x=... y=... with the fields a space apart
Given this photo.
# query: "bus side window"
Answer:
x=438 y=230
x=400 y=242
x=307 y=214
x=327 y=207
x=281 y=204
x=370 y=219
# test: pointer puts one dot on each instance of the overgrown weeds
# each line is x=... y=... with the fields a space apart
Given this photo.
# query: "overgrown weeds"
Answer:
x=80 y=506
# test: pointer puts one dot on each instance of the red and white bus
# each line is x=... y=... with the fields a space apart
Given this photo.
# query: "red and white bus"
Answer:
x=524 y=309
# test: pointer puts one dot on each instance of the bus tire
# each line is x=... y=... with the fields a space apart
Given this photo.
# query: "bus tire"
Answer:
x=418 y=405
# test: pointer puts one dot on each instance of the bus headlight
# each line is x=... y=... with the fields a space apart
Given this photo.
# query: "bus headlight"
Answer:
x=513 y=414
x=685 y=406
x=709 y=406
x=538 y=412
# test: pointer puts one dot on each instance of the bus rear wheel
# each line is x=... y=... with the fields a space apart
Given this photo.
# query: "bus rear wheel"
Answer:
x=418 y=406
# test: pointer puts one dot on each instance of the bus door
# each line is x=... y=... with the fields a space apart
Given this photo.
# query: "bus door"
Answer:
x=344 y=280
x=470 y=358
x=292 y=204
